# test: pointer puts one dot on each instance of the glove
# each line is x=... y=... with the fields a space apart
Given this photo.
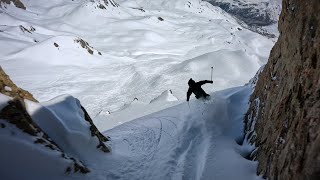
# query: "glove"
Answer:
x=211 y=82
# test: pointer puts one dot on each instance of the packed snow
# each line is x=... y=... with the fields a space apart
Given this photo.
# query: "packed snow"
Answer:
x=129 y=65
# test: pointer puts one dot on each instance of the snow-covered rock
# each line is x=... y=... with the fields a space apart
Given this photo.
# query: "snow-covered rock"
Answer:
x=59 y=134
x=16 y=3
x=27 y=147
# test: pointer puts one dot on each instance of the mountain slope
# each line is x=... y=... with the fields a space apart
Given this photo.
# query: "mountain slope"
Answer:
x=136 y=49
x=260 y=16
x=252 y=12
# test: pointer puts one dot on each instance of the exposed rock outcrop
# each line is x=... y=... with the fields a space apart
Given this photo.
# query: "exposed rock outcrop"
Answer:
x=84 y=44
x=8 y=88
x=95 y=132
x=284 y=115
x=17 y=3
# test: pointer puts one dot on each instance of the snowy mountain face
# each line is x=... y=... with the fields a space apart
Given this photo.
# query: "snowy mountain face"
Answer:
x=257 y=15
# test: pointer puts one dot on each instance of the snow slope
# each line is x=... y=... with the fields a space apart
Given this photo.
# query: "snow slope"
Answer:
x=199 y=142
x=141 y=54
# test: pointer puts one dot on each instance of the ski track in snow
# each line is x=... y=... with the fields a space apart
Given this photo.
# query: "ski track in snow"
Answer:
x=182 y=143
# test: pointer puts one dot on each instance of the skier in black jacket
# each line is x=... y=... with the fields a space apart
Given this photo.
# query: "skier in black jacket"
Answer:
x=195 y=88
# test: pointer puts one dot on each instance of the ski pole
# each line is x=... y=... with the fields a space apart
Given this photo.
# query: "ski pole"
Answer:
x=211 y=72
x=189 y=106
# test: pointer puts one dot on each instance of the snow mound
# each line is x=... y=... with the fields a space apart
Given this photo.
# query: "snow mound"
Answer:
x=63 y=120
x=165 y=96
x=26 y=147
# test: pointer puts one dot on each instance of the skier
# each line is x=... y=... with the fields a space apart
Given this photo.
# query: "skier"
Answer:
x=195 y=88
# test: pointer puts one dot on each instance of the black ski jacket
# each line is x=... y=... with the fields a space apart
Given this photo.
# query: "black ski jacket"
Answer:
x=195 y=88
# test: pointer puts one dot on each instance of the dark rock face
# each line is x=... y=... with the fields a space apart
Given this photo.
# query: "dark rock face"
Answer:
x=17 y=3
x=107 y=2
x=104 y=3
x=95 y=132
x=284 y=116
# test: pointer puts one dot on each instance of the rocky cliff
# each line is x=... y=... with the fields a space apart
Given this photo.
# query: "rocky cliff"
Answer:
x=284 y=116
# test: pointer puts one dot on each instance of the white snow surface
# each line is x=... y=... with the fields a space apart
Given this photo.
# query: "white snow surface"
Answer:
x=142 y=58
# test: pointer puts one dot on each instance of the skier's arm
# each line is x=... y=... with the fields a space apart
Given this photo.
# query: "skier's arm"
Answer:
x=204 y=82
x=189 y=94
